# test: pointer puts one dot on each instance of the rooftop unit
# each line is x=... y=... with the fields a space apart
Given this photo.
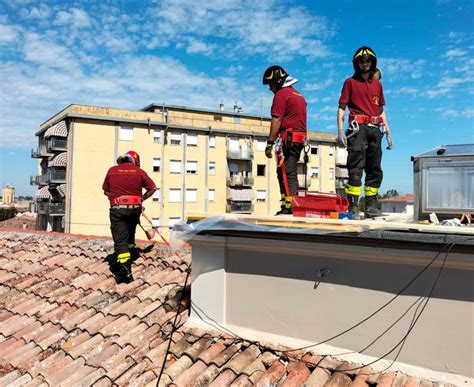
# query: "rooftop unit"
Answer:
x=444 y=181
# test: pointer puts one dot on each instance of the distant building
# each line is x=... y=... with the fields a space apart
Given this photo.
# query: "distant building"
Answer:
x=8 y=195
x=444 y=181
x=210 y=161
x=402 y=204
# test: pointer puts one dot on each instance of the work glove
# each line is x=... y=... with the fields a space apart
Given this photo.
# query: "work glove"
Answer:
x=388 y=133
x=269 y=150
x=341 y=138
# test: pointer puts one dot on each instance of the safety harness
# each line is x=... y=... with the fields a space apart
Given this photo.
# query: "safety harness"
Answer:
x=288 y=137
x=360 y=119
x=127 y=201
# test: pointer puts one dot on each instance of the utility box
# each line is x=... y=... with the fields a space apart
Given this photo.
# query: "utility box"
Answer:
x=444 y=181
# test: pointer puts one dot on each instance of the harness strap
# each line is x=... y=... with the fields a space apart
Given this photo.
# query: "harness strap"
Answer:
x=363 y=119
x=126 y=200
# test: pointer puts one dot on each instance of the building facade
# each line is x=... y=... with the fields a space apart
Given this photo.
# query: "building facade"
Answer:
x=203 y=161
x=8 y=195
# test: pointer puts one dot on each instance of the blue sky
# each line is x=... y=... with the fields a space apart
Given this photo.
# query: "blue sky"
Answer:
x=128 y=54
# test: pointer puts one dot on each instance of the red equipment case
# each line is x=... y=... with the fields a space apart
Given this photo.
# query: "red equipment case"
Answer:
x=318 y=205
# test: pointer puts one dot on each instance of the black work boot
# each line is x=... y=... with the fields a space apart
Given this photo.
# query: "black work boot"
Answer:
x=125 y=273
x=354 y=206
x=371 y=207
x=285 y=211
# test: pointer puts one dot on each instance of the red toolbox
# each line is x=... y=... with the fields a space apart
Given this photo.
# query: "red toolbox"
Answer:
x=318 y=205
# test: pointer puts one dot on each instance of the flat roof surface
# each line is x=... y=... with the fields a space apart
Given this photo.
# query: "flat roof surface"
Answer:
x=448 y=150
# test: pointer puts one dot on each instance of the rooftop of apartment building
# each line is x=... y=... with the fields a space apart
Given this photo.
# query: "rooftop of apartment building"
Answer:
x=166 y=115
x=64 y=320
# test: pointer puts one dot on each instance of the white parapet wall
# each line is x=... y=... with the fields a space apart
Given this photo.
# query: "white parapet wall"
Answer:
x=310 y=290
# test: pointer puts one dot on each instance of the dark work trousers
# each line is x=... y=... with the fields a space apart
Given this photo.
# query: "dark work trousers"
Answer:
x=365 y=153
x=123 y=224
x=292 y=155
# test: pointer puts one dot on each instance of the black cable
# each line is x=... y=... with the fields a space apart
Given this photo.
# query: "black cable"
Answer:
x=173 y=327
x=380 y=308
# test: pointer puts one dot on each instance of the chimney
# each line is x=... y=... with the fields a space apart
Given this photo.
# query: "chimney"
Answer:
x=221 y=106
x=236 y=107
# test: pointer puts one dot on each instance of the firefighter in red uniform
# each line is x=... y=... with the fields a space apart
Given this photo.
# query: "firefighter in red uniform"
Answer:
x=363 y=95
x=123 y=186
x=288 y=125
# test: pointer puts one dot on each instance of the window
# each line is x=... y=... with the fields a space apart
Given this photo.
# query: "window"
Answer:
x=175 y=195
x=331 y=173
x=237 y=119
x=212 y=141
x=126 y=134
x=172 y=222
x=156 y=195
x=191 y=139
x=314 y=149
x=261 y=144
x=191 y=167
x=155 y=222
x=212 y=168
x=156 y=165
x=211 y=195
x=261 y=195
x=314 y=171
x=331 y=150
x=218 y=118
x=157 y=136
x=175 y=166
x=175 y=138
x=261 y=169
x=191 y=195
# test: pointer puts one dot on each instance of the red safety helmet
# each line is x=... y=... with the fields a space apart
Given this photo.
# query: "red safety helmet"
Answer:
x=134 y=157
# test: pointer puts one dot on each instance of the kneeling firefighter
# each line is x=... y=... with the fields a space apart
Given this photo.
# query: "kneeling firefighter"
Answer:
x=287 y=129
x=123 y=186
x=363 y=95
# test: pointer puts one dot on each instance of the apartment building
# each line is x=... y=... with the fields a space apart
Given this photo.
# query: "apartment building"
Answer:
x=203 y=161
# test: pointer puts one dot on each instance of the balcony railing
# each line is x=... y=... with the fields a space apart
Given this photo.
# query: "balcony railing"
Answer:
x=56 y=176
x=241 y=153
x=56 y=208
x=39 y=180
x=240 y=207
x=51 y=209
x=239 y=180
x=39 y=152
x=55 y=144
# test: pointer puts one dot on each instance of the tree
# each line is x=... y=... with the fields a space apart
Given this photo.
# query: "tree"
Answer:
x=390 y=194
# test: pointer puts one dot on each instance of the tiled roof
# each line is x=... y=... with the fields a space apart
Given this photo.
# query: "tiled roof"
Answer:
x=64 y=321
x=22 y=221
x=401 y=198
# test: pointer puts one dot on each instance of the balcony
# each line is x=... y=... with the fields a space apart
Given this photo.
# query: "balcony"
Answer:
x=341 y=183
x=39 y=152
x=242 y=153
x=39 y=180
x=56 y=209
x=55 y=144
x=56 y=176
x=239 y=180
x=51 y=209
x=239 y=208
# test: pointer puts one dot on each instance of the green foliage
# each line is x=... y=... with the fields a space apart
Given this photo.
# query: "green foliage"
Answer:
x=390 y=194
x=7 y=213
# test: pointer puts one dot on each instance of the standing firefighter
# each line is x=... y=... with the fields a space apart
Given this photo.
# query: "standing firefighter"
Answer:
x=289 y=126
x=123 y=186
x=363 y=94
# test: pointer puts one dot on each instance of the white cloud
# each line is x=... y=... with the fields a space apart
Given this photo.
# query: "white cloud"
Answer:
x=8 y=33
x=41 y=11
x=436 y=92
x=42 y=51
x=318 y=85
x=75 y=17
x=399 y=67
x=196 y=46
x=455 y=53
x=450 y=82
x=416 y=131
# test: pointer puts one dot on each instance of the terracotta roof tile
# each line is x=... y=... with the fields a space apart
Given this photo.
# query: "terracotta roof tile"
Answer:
x=273 y=374
x=9 y=378
x=386 y=380
x=225 y=378
x=412 y=382
x=65 y=321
